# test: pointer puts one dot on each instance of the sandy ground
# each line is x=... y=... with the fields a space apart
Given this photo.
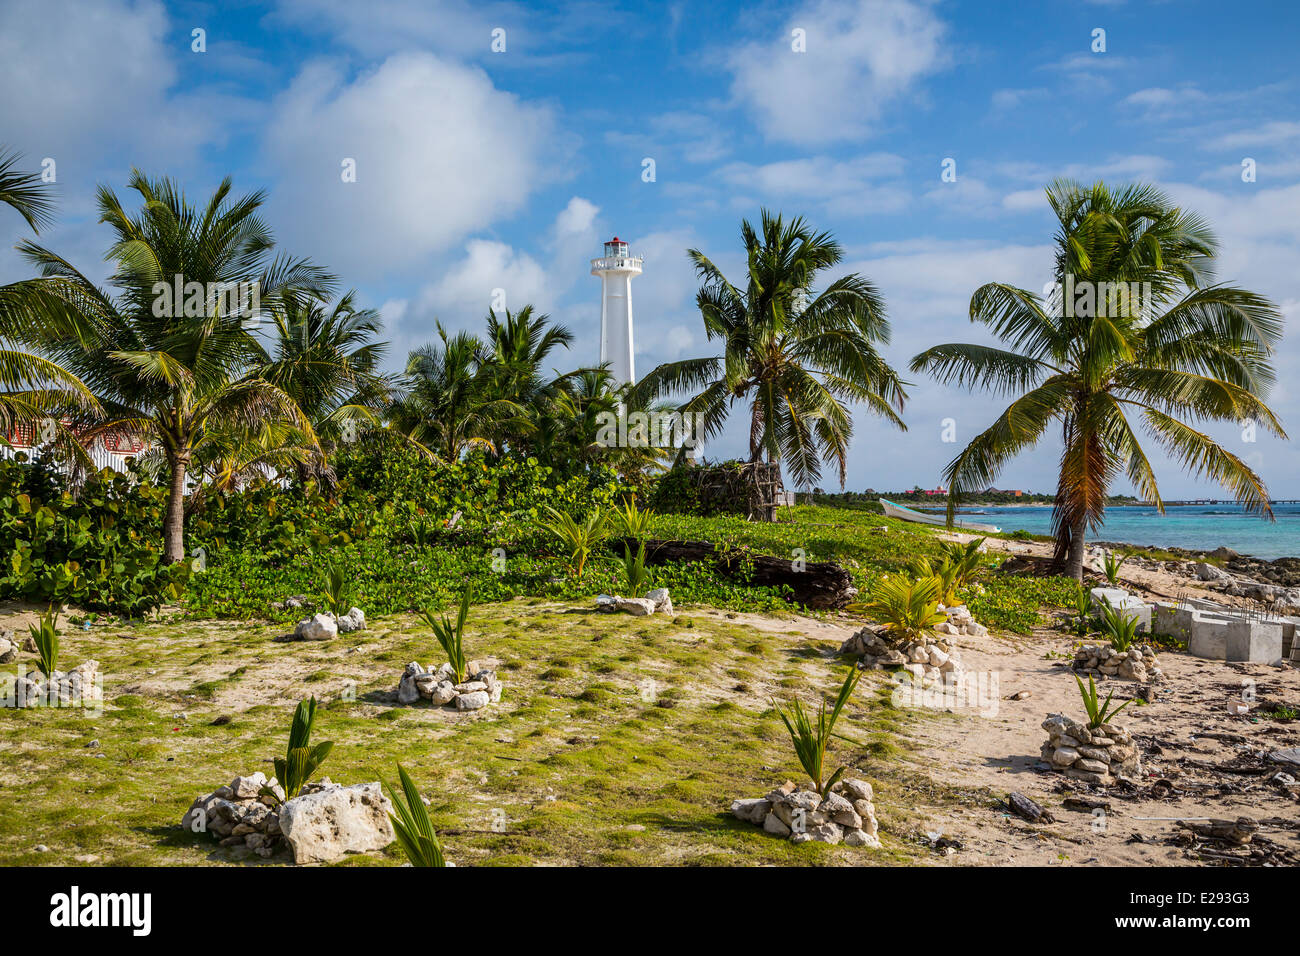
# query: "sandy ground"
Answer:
x=1000 y=751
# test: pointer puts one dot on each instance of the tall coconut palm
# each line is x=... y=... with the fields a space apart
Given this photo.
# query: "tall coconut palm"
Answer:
x=176 y=373
x=796 y=355
x=1136 y=336
x=443 y=402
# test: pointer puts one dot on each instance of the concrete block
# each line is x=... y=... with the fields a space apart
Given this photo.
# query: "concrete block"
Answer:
x=1209 y=638
x=1259 y=641
x=1129 y=605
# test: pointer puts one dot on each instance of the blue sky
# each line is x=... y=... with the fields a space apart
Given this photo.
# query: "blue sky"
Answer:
x=479 y=170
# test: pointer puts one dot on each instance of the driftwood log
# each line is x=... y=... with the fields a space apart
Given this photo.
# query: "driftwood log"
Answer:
x=821 y=585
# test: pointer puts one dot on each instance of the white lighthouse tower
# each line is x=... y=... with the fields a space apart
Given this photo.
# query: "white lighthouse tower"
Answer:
x=616 y=269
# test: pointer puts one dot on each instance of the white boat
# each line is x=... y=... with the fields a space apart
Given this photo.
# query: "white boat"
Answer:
x=907 y=514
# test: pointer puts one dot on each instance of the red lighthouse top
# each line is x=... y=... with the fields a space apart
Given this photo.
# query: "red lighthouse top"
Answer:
x=616 y=247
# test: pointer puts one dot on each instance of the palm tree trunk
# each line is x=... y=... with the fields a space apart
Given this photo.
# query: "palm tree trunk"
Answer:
x=1074 y=563
x=174 y=520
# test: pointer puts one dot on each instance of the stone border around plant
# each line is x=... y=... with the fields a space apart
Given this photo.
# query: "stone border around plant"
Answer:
x=800 y=814
x=930 y=660
x=326 y=822
x=1101 y=660
x=1102 y=756
x=80 y=686
x=480 y=688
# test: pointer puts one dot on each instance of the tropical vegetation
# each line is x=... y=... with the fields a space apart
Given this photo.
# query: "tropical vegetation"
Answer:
x=1136 y=336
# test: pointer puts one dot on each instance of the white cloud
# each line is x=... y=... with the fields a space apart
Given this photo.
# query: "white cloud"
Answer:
x=87 y=83
x=379 y=27
x=679 y=135
x=440 y=154
x=1010 y=99
x=1275 y=133
x=1024 y=200
x=862 y=55
x=867 y=184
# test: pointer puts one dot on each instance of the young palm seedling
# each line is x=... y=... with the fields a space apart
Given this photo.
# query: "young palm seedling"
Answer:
x=46 y=637
x=411 y=824
x=634 y=566
x=451 y=636
x=578 y=538
x=907 y=609
x=1082 y=609
x=336 y=592
x=1098 y=712
x=1112 y=564
x=811 y=738
x=301 y=760
x=1121 y=628
x=965 y=558
x=944 y=573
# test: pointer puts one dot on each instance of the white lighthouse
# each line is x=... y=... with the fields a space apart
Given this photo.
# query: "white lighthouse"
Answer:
x=616 y=269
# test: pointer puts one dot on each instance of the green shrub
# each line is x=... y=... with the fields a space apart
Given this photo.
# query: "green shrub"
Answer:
x=100 y=550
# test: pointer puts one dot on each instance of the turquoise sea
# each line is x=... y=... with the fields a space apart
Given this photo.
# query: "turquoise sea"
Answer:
x=1194 y=527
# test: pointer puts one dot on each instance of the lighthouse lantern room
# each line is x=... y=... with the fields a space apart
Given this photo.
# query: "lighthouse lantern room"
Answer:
x=617 y=268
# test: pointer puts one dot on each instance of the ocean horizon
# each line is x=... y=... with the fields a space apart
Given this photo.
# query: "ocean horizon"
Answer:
x=1192 y=527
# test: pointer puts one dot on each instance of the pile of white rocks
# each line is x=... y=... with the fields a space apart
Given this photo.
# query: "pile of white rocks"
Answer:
x=1102 y=660
x=929 y=659
x=479 y=688
x=326 y=822
x=80 y=686
x=846 y=815
x=326 y=626
x=658 y=600
x=1096 y=756
x=960 y=621
x=8 y=646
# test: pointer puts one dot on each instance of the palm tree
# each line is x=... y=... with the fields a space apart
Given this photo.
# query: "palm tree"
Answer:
x=25 y=192
x=176 y=375
x=510 y=364
x=33 y=386
x=796 y=356
x=327 y=361
x=443 y=402
x=1135 y=333
x=571 y=421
